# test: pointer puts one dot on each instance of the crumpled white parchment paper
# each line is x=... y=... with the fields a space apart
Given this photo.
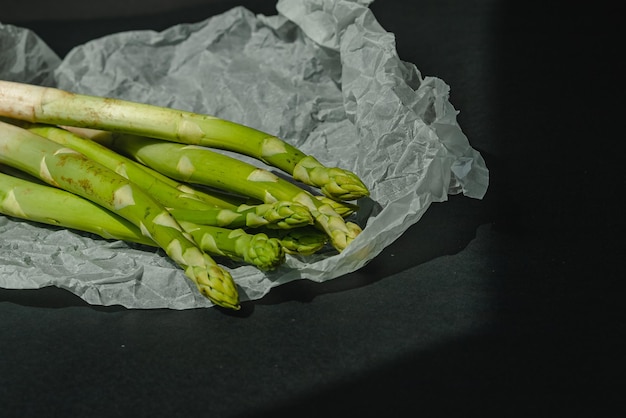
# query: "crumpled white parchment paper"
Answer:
x=321 y=74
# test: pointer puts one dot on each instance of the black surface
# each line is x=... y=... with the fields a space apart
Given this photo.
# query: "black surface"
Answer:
x=507 y=306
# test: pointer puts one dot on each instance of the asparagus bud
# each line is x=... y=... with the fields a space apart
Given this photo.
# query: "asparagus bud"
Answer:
x=257 y=249
x=334 y=182
x=301 y=241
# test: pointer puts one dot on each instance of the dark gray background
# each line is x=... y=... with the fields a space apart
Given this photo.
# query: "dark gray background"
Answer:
x=507 y=306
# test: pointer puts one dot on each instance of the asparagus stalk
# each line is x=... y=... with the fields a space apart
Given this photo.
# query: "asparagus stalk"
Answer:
x=69 y=170
x=131 y=170
x=185 y=204
x=25 y=199
x=345 y=209
x=280 y=214
x=214 y=197
x=22 y=198
x=194 y=164
x=227 y=200
x=58 y=107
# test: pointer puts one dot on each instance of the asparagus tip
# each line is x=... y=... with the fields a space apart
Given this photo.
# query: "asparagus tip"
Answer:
x=215 y=283
x=303 y=241
x=287 y=215
x=334 y=182
x=264 y=252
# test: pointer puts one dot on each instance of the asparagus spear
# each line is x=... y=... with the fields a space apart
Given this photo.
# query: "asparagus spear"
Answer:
x=54 y=106
x=196 y=164
x=67 y=169
x=25 y=198
x=264 y=252
x=167 y=195
x=185 y=204
x=302 y=241
x=228 y=200
x=345 y=209
x=214 y=197
x=28 y=200
x=280 y=214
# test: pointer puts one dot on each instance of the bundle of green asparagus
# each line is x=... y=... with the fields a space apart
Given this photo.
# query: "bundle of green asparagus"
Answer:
x=148 y=174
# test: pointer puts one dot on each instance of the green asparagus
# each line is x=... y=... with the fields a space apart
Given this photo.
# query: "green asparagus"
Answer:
x=280 y=214
x=185 y=204
x=258 y=249
x=194 y=164
x=58 y=107
x=214 y=197
x=28 y=200
x=24 y=198
x=69 y=170
x=301 y=241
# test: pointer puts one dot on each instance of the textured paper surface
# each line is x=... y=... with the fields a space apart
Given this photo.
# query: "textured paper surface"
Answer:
x=323 y=75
